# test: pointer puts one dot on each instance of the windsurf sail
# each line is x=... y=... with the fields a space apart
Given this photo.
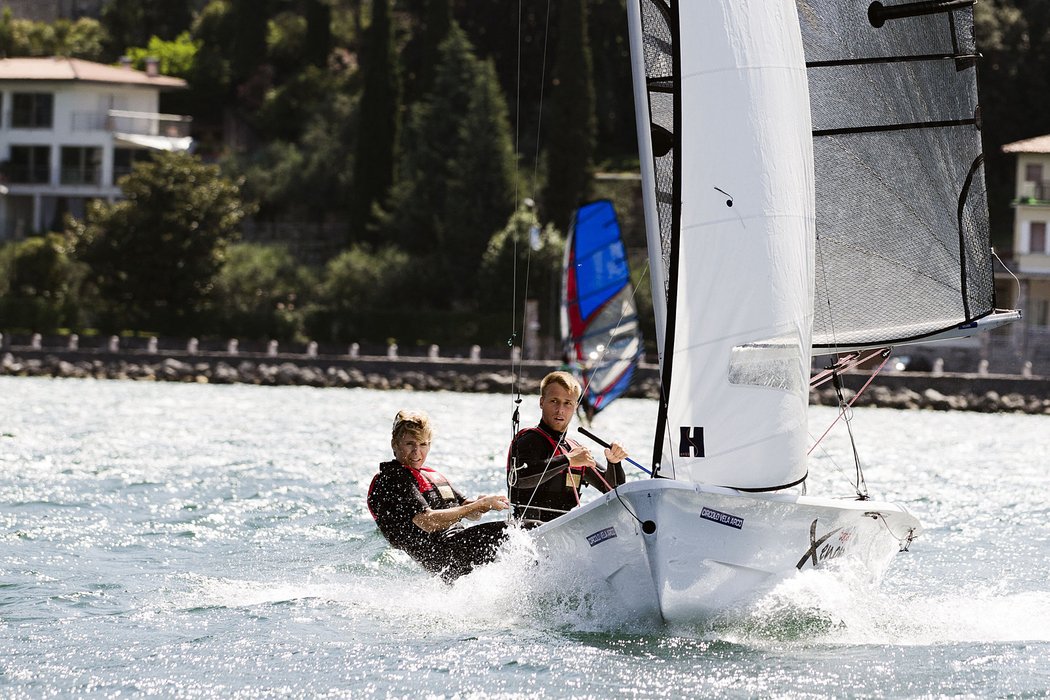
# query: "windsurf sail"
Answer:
x=599 y=318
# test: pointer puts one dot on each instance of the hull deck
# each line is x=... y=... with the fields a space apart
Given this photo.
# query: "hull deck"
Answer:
x=677 y=551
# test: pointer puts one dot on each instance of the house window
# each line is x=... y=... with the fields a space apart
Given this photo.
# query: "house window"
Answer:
x=1040 y=312
x=32 y=110
x=1033 y=172
x=1037 y=237
x=125 y=158
x=81 y=165
x=29 y=165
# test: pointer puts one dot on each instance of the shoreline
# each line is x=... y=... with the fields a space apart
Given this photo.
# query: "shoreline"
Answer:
x=902 y=390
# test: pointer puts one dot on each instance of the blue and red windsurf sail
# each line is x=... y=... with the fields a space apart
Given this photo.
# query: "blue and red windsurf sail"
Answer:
x=599 y=316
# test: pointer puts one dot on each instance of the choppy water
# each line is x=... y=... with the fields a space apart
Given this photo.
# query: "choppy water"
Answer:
x=213 y=541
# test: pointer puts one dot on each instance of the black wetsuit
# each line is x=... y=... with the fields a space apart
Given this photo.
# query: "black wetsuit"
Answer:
x=397 y=494
x=543 y=486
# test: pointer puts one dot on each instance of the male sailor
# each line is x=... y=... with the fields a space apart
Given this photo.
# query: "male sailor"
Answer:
x=419 y=511
x=545 y=469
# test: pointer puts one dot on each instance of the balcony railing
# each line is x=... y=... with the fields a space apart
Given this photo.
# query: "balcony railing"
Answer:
x=71 y=175
x=1034 y=191
x=140 y=123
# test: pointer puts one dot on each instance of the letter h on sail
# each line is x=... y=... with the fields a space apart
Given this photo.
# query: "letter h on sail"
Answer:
x=691 y=442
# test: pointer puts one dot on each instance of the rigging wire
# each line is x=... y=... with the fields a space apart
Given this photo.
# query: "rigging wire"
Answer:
x=515 y=388
x=518 y=374
x=1011 y=272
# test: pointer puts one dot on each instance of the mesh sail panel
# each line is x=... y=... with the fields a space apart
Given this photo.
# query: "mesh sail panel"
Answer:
x=902 y=230
x=658 y=40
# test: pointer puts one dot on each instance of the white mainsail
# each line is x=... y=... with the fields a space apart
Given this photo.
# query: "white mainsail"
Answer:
x=740 y=246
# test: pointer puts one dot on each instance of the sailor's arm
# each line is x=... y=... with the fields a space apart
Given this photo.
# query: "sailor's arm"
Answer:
x=432 y=520
x=613 y=475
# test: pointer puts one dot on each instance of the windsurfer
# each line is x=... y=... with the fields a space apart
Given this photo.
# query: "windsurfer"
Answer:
x=545 y=469
x=419 y=511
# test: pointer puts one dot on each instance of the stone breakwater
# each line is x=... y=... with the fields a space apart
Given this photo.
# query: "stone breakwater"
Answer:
x=906 y=390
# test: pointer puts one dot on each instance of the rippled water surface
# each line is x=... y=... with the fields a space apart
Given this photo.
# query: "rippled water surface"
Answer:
x=177 y=540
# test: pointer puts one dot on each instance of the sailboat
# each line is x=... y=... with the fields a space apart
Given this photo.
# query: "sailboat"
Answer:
x=813 y=184
x=599 y=319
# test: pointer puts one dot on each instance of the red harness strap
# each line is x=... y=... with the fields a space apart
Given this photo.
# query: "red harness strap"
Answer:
x=559 y=449
x=427 y=478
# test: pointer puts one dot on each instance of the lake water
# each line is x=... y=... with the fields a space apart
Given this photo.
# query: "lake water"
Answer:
x=178 y=540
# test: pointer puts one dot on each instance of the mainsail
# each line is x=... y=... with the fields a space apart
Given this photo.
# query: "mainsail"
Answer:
x=599 y=318
x=902 y=246
x=813 y=181
x=727 y=170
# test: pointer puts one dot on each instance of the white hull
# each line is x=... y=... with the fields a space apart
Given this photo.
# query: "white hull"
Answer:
x=712 y=546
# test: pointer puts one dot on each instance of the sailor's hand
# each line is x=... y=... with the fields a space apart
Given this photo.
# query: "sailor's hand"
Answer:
x=615 y=453
x=494 y=502
x=581 y=457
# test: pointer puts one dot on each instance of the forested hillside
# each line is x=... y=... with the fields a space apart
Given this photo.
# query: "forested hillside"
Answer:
x=405 y=138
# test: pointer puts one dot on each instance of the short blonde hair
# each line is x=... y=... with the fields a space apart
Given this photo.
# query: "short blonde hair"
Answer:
x=564 y=380
x=414 y=423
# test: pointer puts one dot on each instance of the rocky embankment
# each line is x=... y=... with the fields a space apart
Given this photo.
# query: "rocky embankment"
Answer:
x=904 y=390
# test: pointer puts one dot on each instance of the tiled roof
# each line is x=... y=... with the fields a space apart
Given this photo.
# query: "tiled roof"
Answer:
x=59 y=68
x=1039 y=144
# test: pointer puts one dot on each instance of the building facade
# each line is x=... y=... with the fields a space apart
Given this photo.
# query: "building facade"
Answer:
x=69 y=129
x=1031 y=257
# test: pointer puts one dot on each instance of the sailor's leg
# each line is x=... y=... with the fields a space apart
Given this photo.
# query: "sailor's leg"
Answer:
x=474 y=546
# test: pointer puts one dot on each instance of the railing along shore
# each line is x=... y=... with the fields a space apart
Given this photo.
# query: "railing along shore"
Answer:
x=468 y=371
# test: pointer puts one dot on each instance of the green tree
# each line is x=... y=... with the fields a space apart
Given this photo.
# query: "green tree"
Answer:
x=570 y=126
x=154 y=255
x=248 y=49
x=318 y=42
x=132 y=22
x=83 y=38
x=358 y=289
x=523 y=261
x=379 y=122
x=259 y=292
x=481 y=191
x=366 y=278
x=304 y=179
x=436 y=24
x=39 y=284
x=174 y=57
x=460 y=123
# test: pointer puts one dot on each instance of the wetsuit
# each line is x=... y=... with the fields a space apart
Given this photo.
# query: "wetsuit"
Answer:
x=543 y=486
x=397 y=494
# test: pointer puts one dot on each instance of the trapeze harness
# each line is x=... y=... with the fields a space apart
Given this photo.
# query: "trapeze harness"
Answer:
x=434 y=487
x=573 y=478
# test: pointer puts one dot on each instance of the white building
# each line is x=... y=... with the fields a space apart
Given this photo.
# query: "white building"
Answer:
x=69 y=129
x=1031 y=218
